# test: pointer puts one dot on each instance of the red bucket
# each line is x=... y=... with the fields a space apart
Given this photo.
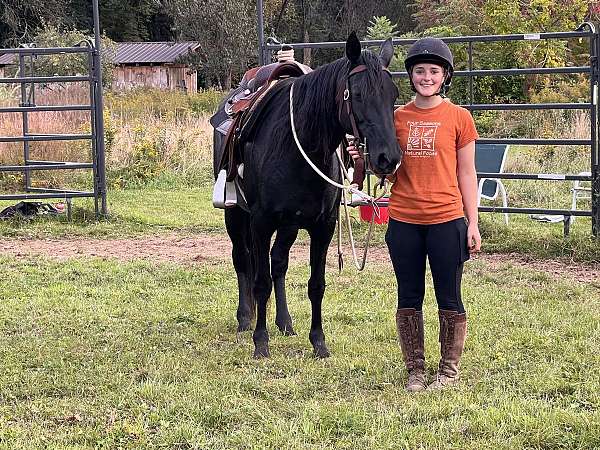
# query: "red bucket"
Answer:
x=367 y=212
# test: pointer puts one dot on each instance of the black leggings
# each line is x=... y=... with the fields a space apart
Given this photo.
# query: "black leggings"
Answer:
x=445 y=244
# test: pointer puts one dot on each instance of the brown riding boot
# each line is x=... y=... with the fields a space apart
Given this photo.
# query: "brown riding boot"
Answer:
x=453 y=331
x=409 y=323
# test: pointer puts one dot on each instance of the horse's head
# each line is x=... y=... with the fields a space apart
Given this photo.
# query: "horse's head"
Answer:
x=367 y=107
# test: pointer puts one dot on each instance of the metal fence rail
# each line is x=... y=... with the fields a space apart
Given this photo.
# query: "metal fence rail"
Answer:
x=585 y=31
x=28 y=82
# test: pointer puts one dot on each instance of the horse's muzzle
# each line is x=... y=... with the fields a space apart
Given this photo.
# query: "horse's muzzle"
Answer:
x=384 y=164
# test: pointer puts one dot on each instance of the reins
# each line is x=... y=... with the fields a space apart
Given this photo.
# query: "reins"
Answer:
x=352 y=188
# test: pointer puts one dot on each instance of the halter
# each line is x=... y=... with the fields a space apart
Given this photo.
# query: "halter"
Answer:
x=352 y=188
x=357 y=141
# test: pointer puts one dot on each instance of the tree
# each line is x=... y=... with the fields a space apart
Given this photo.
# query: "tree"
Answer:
x=382 y=28
x=73 y=63
x=225 y=30
x=121 y=20
x=477 y=17
x=20 y=19
x=330 y=20
x=466 y=17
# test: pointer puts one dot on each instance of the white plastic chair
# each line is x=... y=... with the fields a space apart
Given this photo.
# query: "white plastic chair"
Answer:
x=491 y=158
x=580 y=191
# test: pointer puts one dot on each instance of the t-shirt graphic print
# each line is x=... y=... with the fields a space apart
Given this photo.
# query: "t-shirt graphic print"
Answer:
x=421 y=139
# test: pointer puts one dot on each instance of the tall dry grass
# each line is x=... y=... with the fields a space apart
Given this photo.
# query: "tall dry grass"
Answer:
x=564 y=159
x=47 y=122
x=147 y=132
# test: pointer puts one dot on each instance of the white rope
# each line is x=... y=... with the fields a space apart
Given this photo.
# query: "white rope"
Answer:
x=299 y=145
x=352 y=189
x=376 y=213
x=285 y=55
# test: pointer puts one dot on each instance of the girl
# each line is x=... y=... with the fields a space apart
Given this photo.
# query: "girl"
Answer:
x=433 y=211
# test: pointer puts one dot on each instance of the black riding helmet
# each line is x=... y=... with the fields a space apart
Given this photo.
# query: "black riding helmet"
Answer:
x=430 y=50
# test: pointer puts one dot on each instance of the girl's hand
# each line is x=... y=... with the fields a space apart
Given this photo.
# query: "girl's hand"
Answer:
x=473 y=238
x=353 y=152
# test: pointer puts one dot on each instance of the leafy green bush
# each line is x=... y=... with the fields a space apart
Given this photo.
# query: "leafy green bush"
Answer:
x=73 y=63
x=11 y=181
x=147 y=148
x=573 y=89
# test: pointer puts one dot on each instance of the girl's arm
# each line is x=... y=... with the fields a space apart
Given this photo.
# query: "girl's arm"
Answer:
x=467 y=183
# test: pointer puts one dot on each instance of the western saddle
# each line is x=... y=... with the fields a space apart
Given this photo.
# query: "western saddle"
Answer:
x=243 y=108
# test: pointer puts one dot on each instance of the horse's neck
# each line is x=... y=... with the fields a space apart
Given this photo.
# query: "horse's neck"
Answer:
x=320 y=124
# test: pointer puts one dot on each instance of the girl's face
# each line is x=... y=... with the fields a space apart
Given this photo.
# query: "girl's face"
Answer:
x=427 y=78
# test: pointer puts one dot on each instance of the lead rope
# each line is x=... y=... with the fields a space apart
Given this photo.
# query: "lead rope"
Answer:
x=352 y=189
x=376 y=212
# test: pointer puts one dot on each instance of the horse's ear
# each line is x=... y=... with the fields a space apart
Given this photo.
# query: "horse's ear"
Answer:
x=386 y=52
x=353 y=48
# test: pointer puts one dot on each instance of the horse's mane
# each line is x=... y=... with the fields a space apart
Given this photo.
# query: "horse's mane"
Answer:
x=315 y=95
x=316 y=106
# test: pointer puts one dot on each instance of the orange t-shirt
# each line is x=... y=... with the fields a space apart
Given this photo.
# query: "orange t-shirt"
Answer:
x=426 y=187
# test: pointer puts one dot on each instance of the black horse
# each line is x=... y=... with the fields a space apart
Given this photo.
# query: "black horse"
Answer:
x=285 y=194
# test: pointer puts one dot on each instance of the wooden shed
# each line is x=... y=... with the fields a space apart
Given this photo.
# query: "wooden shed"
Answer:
x=154 y=64
x=8 y=65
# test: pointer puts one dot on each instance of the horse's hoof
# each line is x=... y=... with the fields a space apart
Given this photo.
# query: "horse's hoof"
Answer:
x=286 y=329
x=321 y=351
x=244 y=327
x=289 y=331
x=261 y=351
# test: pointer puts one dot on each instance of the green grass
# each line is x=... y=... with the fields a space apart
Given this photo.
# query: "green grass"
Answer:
x=131 y=212
x=103 y=354
x=108 y=354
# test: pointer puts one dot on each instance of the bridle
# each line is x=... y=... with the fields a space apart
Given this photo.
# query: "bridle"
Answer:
x=346 y=104
x=352 y=188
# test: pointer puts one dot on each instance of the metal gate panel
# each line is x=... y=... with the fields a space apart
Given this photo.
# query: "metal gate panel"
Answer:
x=585 y=31
x=26 y=57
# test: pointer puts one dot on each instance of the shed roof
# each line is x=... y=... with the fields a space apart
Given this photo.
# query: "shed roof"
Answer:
x=152 y=52
x=6 y=59
x=137 y=52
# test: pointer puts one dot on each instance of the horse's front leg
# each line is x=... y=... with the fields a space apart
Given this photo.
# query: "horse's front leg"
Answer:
x=320 y=238
x=262 y=231
x=237 y=222
x=280 y=257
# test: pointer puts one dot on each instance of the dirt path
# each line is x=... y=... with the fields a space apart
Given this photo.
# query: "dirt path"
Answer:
x=204 y=248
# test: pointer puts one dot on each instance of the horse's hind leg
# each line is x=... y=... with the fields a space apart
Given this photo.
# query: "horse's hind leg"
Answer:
x=280 y=257
x=237 y=222
x=320 y=238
